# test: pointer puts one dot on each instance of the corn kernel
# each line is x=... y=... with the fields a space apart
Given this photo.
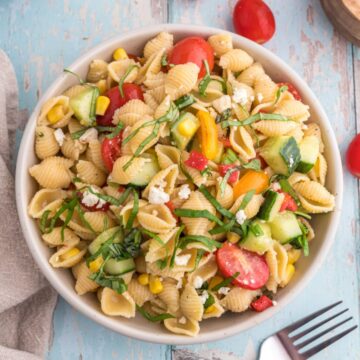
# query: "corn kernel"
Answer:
x=102 y=103
x=120 y=54
x=293 y=255
x=102 y=86
x=233 y=237
x=216 y=280
x=289 y=273
x=69 y=254
x=55 y=114
x=155 y=285
x=210 y=309
x=94 y=265
x=187 y=127
x=143 y=279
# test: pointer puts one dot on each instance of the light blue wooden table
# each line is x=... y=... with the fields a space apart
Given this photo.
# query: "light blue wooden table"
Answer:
x=44 y=36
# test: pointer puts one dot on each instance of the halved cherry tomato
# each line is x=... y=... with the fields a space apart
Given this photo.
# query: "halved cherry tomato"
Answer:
x=261 y=304
x=288 y=203
x=196 y=160
x=131 y=91
x=111 y=150
x=252 y=268
x=353 y=156
x=234 y=176
x=134 y=57
x=121 y=189
x=193 y=49
x=171 y=207
x=225 y=141
x=254 y=20
x=252 y=180
x=291 y=89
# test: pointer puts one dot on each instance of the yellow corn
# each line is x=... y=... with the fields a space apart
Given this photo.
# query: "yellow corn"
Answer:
x=290 y=271
x=293 y=255
x=94 y=265
x=187 y=127
x=155 y=285
x=216 y=280
x=102 y=103
x=210 y=309
x=102 y=86
x=55 y=114
x=232 y=237
x=69 y=254
x=143 y=279
x=120 y=54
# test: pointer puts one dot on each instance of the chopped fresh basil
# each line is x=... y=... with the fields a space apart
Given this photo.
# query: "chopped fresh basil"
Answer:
x=279 y=92
x=286 y=187
x=253 y=164
x=254 y=118
x=44 y=221
x=205 y=81
x=81 y=81
x=256 y=229
x=215 y=203
x=176 y=246
x=164 y=60
x=123 y=78
x=198 y=214
x=210 y=243
x=225 y=115
x=134 y=211
x=225 y=282
x=303 y=214
x=184 y=102
x=209 y=301
x=153 y=318
x=226 y=178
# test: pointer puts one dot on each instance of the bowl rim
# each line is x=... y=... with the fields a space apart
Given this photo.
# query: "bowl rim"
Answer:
x=117 y=326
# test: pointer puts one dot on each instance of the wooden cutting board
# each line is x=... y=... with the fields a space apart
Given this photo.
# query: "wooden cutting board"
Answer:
x=345 y=16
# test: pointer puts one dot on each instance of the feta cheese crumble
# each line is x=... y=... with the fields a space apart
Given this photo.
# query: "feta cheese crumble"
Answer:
x=222 y=103
x=182 y=320
x=240 y=96
x=89 y=135
x=182 y=260
x=59 y=136
x=198 y=282
x=224 y=290
x=89 y=199
x=184 y=192
x=157 y=195
x=275 y=186
x=260 y=97
x=204 y=296
x=240 y=217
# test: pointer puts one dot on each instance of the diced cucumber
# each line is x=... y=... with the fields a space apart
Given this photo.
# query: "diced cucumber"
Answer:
x=282 y=154
x=309 y=152
x=84 y=105
x=116 y=233
x=184 y=129
x=271 y=206
x=219 y=153
x=229 y=157
x=259 y=244
x=285 y=227
x=118 y=267
x=148 y=171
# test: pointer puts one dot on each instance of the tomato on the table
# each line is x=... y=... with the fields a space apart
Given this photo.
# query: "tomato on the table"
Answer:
x=291 y=89
x=254 y=20
x=131 y=91
x=353 y=156
x=234 y=176
x=288 y=203
x=252 y=268
x=196 y=160
x=261 y=304
x=111 y=150
x=252 y=180
x=193 y=49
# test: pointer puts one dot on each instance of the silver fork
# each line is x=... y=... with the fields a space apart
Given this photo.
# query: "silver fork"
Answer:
x=280 y=346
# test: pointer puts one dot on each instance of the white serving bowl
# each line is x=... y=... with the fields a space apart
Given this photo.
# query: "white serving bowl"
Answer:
x=229 y=324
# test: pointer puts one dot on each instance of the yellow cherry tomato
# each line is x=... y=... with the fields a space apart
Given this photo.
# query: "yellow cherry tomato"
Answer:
x=208 y=134
x=252 y=180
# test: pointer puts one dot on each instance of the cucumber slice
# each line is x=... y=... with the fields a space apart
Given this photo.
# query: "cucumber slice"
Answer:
x=259 y=244
x=116 y=232
x=309 y=152
x=84 y=105
x=282 y=154
x=285 y=227
x=271 y=206
x=118 y=267
x=148 y=171
x=181 y=139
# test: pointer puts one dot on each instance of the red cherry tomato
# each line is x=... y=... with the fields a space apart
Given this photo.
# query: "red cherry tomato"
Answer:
x=261 y=304
x=171 y=207
x=95 y=207
x=254 y=20
x=353 y=156
x=131 y=91
x=111 y=150
x=196 y=160
x=288 y=203
x=226 y=142
x=291 y=89
x=192 y=49
x=234 y=176
x=252 y=268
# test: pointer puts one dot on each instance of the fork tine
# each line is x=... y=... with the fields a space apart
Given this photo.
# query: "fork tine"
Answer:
x=307 y=331
x=308 y=318
x=317 y=336
x=327 y=343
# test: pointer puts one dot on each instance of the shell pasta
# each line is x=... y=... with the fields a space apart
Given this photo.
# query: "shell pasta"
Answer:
x=179 y=189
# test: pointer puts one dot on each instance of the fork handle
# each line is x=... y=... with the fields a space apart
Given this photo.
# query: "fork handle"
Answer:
x=272 y=349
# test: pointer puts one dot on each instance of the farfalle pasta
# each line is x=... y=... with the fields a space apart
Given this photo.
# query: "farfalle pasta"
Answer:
x=177 y=187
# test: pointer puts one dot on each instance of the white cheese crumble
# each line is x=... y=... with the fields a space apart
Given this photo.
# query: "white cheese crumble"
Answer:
x=182 y=260
x=89 y=199
x=260 y=97
x=182 y=320
x=184 y=192
x=89 y=135
x=198 y=282
x=275 y=186
x=224 y=290
x=274 y=303
x=59 y=136
x=222 y=103
x=157 y=195
x=240 y=96
x=240 y=217
x=203 y=297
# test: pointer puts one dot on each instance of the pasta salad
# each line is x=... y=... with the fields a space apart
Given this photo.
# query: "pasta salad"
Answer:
x=179 y=183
